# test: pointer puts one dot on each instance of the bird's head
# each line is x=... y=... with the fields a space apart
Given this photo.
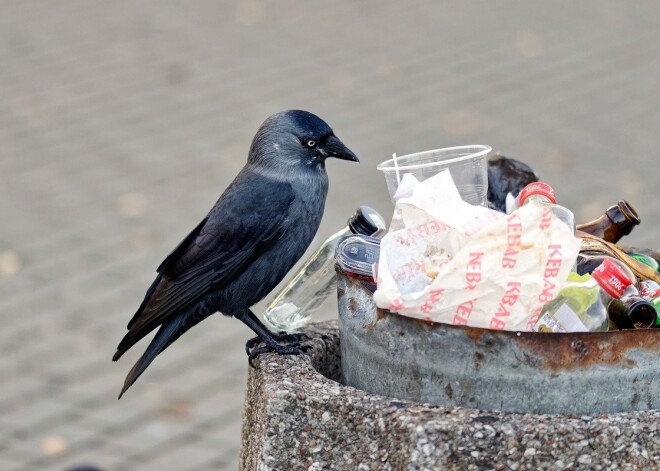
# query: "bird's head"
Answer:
x=297 y=138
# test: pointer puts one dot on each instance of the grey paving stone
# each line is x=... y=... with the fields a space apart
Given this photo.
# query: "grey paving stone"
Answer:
x=160 y=99
x=28 y=414
x=180 y=457
x=11 y=461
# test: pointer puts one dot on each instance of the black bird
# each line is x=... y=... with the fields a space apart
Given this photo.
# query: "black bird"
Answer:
x=261 y=225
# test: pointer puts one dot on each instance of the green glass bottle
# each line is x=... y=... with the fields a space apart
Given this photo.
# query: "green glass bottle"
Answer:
x=656 y=304
x=646 y=259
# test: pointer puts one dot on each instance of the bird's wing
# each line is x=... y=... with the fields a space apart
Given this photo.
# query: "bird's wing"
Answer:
x=245 y=221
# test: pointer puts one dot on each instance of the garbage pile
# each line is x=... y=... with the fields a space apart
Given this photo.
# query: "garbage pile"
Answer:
x=483 y=243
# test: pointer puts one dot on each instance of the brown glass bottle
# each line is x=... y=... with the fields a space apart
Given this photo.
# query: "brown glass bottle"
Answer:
x=632 y=312
x=618 y=221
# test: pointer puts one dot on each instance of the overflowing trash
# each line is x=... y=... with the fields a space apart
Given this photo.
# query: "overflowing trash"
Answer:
x=494 y=251
x=477 y=307
x=444 y=260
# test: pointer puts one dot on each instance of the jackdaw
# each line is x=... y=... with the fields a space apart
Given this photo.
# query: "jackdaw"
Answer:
x=258 y=229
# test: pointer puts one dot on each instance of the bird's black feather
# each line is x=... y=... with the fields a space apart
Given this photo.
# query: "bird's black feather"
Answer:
x=259 y=227
x=181 y=248
x=211 y=254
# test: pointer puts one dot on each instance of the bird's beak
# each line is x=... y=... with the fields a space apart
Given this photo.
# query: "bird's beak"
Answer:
x=335 y=148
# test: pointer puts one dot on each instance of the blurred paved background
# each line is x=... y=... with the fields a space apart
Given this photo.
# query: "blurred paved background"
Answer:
x=122 y=122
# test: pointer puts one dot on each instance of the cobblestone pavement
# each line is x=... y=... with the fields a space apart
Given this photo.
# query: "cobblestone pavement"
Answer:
x=121 y=123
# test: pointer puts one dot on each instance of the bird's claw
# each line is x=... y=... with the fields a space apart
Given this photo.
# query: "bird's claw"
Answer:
x=249 y=345
x=280 y=337
x=291 y=349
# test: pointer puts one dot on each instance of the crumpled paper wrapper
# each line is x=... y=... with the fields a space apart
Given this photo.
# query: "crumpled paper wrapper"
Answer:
x=445 y=260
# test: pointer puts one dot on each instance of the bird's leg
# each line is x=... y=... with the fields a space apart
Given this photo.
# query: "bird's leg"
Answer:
x=279 y=337
x=271 y=340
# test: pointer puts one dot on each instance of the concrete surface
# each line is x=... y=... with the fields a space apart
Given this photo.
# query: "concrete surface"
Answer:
x=299 y=417
x=121 y=123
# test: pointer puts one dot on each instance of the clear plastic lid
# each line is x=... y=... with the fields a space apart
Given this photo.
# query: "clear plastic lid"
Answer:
x=358 y=254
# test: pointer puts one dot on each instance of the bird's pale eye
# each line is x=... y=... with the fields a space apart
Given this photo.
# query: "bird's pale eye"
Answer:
x=310 y=143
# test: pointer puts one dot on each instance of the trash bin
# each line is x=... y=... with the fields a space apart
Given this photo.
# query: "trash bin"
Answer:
x=298 y=415
x=527 y=372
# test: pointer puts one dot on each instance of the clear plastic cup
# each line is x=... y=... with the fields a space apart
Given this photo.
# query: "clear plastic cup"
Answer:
x=467 y=165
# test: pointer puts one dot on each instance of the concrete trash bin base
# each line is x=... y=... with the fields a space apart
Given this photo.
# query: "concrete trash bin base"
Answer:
x=297 y=416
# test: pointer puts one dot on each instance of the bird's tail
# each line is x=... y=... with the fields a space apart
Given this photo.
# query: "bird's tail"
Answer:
x=167 y=334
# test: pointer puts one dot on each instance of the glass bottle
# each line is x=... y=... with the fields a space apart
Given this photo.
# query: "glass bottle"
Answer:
x=632 y=312
x=649 y=289
x=655 y=302
x=619 y=220
x=585 y=302
x=294 y=304
x=634 y=309
x=646 y=259
x=587 y=262
x=544 y=194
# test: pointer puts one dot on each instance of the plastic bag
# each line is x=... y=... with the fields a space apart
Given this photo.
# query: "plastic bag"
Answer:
x=445 y=260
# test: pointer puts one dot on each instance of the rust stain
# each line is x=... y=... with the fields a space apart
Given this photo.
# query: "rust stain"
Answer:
x=474 y=334
x=565 y=352
x=380 y=314
x=352 y=304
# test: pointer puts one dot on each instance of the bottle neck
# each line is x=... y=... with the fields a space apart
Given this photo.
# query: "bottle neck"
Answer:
x=366 y=221
x=632 y=312
x=618 y=221
x=563 y=214
x=609 y=292
x=538 y=198
x=596 y=227
x=587 y=262
x=624 y=215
